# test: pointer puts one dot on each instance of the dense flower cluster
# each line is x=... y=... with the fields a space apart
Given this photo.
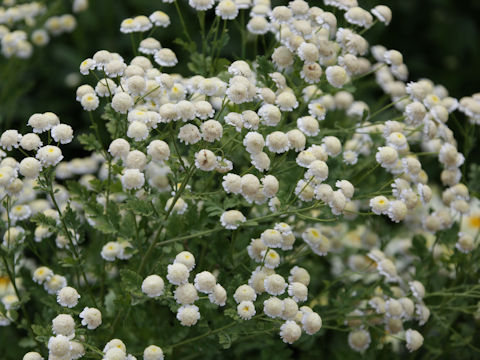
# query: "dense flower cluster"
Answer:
x=23 y=25
x=277 y=154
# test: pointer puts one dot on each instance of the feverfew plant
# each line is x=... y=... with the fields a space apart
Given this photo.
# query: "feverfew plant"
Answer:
x=257 y=199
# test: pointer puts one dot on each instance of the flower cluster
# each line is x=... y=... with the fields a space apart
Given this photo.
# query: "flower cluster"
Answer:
x=20 y=28
x=268 y=175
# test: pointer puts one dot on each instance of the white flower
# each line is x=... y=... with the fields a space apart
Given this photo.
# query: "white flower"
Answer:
x=137 y=130
x=205 y=282
x=205 y=160
x=159 y=18
x=29 y=167
x=64 y=324
x=110 y=251
x=298 y=274
x=244 y=293
x=188 y=315
x=273 y=307
x=49 y=155
x=359 y=340
x=68 y=297
x=30 y=142
x=311 y=323
x=277 y=142
x=177 y=273
x=10 y=139
x=231 y=219
x=414 y=340
x=119 y=148
x=227 y=10
x=185 y=294
x=246 y=310
x=59 y=346
x=153 y=286
x=298 y=291
x=275 y=284
x=153 y=352
x=122 y=102
x=218 y=296
x=290 y=332
x=91 y=317
x=165 y=57
x=272 y=238
x=42 y=274
x=132 y=179
x=62 y=133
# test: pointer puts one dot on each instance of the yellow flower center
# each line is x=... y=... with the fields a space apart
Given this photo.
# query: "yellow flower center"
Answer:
x=475 y=221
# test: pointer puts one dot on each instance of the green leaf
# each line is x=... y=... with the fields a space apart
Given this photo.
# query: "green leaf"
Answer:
x=139 y=207
x=131 y=281
x=89 y=142
x=189 y=46
x=41 y=219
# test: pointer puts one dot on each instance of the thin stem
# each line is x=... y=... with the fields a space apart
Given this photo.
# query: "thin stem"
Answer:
x=190 y=172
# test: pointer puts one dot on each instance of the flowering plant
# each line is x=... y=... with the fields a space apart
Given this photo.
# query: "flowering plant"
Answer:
x=244 y=199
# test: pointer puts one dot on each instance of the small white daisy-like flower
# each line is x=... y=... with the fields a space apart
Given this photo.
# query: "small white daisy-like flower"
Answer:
x=246 y=310
x=10 y=139
x=271 y=258
x=387 y=268
x=232 y=219
x=277 y=142
x=205 y=160
x=49 y=155
x=379 y=204
x=275 y=284
x=91 y=318
x=177 y=273
x=273 y=307
x=30 y=142
x=244 y=293
x=185 y=294
x=218 y=296
x=359 y=340
x=132 y=179
x=87 y=65
x=42 y=274
x=188 y=315
x=153 y=352
x=153 y=286
x=20 y=212
x=59 y=346
x=64 y=324
x=414 y=340
x=137 y=130
x=290 y=332
x=68 y=297
x=298 y=274
x=122 y=102
x=110 y=251
x=159 y=18
x=226 y=9
x=186 y=258
x=205 y=282
x=149 y=46
x=417 y=289
x=165 y=57
x=298 y=291
x=272 y=238
x=311 y=322
x=308 y=125
x=62 y=133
